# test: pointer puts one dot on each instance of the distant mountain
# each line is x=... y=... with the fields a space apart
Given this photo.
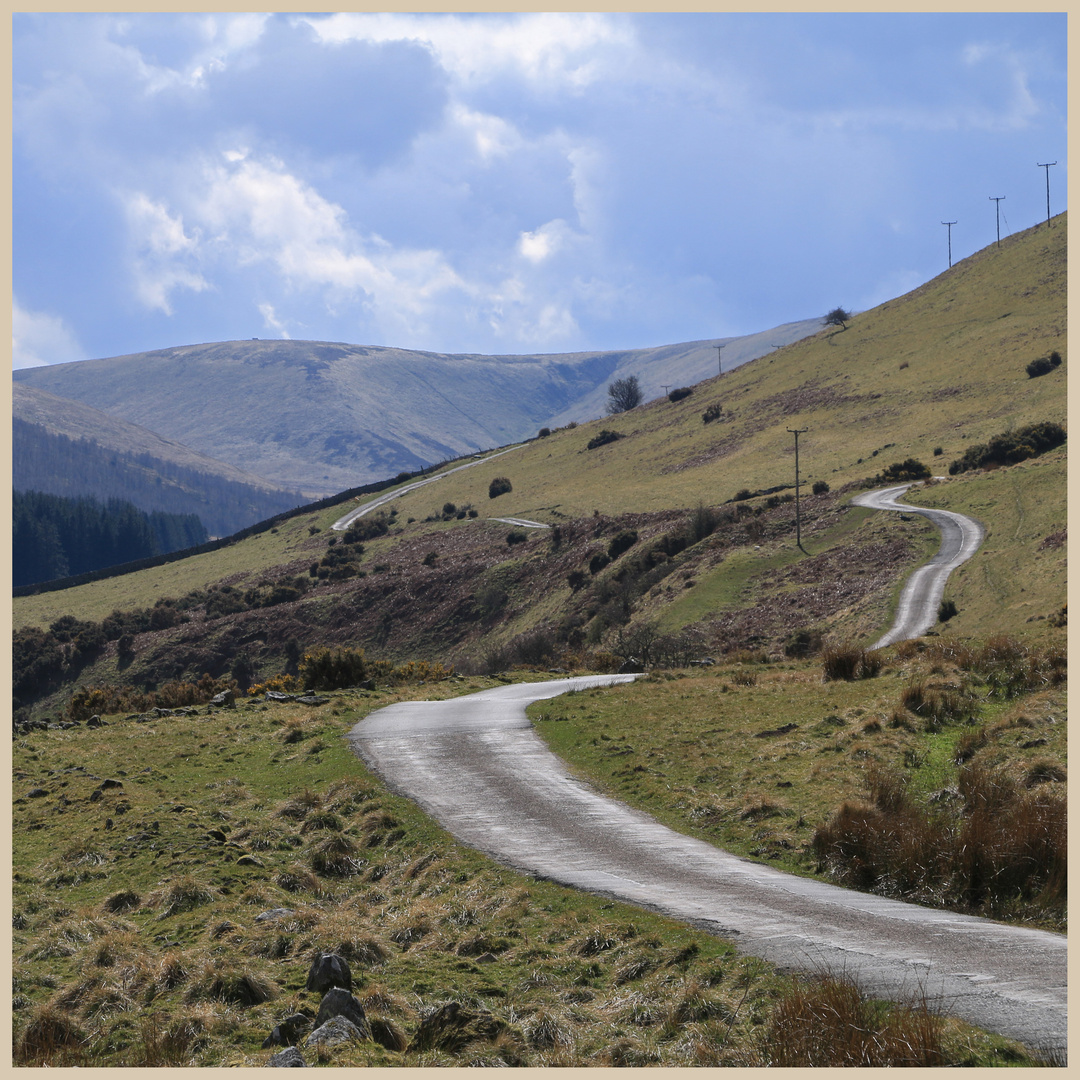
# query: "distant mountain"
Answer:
x=324 y=417
x=63 y=447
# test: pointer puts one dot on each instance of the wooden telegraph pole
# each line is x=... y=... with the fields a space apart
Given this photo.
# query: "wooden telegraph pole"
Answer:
x=798 y=515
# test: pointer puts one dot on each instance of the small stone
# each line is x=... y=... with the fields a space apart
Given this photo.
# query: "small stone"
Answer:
x=248 y=860
x=36 y=793
x=287 y=1059
x=274 y=914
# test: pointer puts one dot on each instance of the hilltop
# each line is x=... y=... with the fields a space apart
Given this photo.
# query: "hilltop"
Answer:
x=326 y=416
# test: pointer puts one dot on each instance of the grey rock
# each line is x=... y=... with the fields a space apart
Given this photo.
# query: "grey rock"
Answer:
x=274 y=914
x=277 y=695
x=227 y=699
x=288 y=1032
x=327 y=971
x=36 y=793
x=335 y=1031
x=338 y=1002
x=311 y=699
x=287 y=1059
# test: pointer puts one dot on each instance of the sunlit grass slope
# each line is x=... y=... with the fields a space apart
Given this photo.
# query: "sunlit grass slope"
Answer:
x=925 y=376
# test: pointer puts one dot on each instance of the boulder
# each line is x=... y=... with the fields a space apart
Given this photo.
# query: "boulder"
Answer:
x=226 y=699
x=338 y=1002
x=335 y=1031
x=327 y=971
x=274 y=914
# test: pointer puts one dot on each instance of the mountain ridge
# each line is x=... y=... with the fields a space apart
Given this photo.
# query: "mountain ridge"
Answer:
x=327 y=416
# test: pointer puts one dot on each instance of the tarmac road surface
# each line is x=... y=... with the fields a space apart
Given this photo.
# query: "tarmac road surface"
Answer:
x=475 y=765
x=960 y=539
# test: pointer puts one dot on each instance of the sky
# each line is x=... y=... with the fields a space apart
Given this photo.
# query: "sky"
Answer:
x=509 y=183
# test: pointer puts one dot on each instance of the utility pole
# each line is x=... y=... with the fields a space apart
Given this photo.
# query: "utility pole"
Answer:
x=666 y=386
x=950 y=224
x=1046 y=166
x=798 y=515
x=996 y=200
x=719 y=357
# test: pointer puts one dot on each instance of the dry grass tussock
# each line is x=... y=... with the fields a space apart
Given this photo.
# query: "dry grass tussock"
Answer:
x=827 y=1023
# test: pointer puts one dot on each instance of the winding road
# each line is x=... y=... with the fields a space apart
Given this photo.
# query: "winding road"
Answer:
x=960 y=539
x=476 y=766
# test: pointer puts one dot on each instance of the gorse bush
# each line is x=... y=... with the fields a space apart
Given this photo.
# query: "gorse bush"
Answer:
x=1010 y=447
x=499 y=486
x=908 y=469
x=603 y=439
x=711 y=413
x=90 y=701
x=622 y=542
x=680 y=392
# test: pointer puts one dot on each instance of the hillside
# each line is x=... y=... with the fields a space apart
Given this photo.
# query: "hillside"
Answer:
x=923 y=376
x=324 y=417
x=63 y=447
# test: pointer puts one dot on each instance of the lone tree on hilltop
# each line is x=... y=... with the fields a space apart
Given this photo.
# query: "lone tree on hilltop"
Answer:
x=624 y=394
x=838 y=317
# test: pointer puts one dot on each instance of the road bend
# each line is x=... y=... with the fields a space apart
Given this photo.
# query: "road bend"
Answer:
x=476 y=766
x=919 y=600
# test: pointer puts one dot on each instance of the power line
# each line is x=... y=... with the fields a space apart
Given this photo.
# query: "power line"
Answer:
x=1046 y=166
x=950 y=224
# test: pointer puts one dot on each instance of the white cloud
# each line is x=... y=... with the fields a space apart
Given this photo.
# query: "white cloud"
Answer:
x=547 y=47
x=540 y=245
x=272 y=322
x=256 y=212
x=159 y=245
x=38 y=338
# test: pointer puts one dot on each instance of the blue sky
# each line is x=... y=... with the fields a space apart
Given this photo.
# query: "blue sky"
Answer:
x=509 y=183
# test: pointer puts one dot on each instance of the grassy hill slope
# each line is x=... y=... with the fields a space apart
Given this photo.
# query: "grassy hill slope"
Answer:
x=940 y=368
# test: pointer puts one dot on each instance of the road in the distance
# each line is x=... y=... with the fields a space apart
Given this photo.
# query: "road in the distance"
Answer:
x=476 y=766
x=960 y=539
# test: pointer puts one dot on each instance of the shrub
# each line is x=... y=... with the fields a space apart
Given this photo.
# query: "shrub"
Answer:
x=1042 y=366
x=680 y=392
x=576 y=580
x=803 y=643
x=598 y=562
x=622 y=542
x=742 y=494
x=711 y=413
x=820 y=487
x=908 y=469
x=366 y=528
x=499 y=486
x=1010 y=447
x=938 y=451
x=516 y=537
x=333 y=669
x=449 y=509
x=544 y=432
x=1055 y=358
x=946 y=610
x=603 y=439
